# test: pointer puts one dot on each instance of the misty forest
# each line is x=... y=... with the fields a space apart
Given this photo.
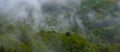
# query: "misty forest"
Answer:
x=59 y=25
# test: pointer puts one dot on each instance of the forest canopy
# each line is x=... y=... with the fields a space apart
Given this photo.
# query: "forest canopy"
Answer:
x=59 y=26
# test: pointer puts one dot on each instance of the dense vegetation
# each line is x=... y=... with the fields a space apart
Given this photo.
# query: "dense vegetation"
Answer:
x=50 y=41
x=101 y=32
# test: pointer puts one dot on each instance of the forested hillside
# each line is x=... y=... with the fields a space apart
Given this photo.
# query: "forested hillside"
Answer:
x=59 y=26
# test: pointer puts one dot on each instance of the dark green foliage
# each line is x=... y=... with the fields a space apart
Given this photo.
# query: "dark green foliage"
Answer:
x=67 y=34
x=73 y=43
x=2 y=49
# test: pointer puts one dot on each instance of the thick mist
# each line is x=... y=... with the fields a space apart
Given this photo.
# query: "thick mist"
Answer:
x=58 y=15
x=45 y=14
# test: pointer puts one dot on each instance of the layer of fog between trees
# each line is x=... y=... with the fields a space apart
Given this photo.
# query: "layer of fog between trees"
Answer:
x=58 y=15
